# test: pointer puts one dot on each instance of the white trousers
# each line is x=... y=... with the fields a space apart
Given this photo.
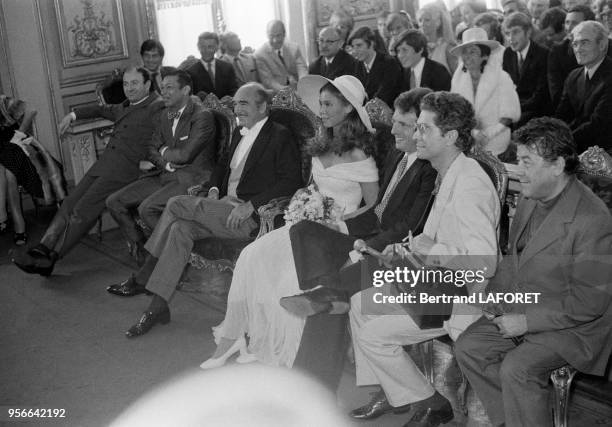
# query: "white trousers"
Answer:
x=379 y=331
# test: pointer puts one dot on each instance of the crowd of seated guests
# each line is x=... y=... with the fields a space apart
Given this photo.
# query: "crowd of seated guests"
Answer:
x=490 y=85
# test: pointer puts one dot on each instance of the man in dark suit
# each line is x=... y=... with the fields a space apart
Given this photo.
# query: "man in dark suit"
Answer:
x=134 y=124
x=525 y=62
x=561 y=59
x=419 y=71
x=319 y=252
x=182 y=148
x=586 y=103
x=560 y=246
x=262 y=163
x=334 y=61
x=212 y=75
x=380 y=74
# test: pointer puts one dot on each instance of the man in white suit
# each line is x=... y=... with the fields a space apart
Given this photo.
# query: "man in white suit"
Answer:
x=460 y=233
x=280 y=63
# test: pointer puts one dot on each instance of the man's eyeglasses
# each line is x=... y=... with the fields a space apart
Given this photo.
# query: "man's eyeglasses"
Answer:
x=423 y=128
x=323 y=41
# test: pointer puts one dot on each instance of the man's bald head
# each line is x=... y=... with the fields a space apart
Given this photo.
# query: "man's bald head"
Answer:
x=276 y=34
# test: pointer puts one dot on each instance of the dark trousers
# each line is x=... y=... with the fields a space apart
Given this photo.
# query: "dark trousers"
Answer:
x=511 y=381
x=325 y=337
x=149 y=195
x=78 y=212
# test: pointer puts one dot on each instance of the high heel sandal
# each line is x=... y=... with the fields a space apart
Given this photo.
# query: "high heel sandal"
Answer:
x=20 y=239
x=217 y=362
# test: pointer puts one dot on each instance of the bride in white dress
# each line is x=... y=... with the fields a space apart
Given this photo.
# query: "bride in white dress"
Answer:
x=342 y=168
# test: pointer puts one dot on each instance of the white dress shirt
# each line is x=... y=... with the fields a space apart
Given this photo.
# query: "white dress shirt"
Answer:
x=418 y=72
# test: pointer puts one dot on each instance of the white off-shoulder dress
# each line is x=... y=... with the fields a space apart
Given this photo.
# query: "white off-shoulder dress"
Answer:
x=265 y=272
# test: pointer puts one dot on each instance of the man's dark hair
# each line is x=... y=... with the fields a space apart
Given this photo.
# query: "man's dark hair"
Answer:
x=411 y=100
x=414 y=38
x=143 y=72
x=365 y=34
x=209 y=35
x=151 y=44
x=550 y=138
x=586 y=11
x=453 y=112
x=517 y=19
x=554 y=18
x=182 y=76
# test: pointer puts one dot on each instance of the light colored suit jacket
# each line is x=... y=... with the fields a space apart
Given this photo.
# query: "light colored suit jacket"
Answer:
x=569 y=260
x=245 y=67
x=273 y=74
x=463 y=224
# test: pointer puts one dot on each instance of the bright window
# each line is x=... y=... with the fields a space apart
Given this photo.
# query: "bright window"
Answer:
x=248 y=19
x=179 y=24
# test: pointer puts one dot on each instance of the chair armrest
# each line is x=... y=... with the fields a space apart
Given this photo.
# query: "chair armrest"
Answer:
x=269 y=211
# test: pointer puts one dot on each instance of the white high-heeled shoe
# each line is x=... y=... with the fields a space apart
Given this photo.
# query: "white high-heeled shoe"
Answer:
x=239 y=345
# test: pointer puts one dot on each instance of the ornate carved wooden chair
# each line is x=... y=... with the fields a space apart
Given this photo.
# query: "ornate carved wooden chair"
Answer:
x=110 y=90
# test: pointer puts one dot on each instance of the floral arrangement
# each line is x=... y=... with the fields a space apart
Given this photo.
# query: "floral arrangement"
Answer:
x=309 y=204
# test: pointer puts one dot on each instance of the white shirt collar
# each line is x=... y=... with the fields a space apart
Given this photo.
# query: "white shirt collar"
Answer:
x=524 y=51
x=141 y=101
x=592 y=70
x=180 y=112
x=328 y=61
x=418 y=71
x=369 y=64
x=205 y=64
x=256 y=127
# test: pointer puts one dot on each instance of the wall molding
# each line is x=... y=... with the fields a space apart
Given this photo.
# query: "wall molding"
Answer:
x=9 y=85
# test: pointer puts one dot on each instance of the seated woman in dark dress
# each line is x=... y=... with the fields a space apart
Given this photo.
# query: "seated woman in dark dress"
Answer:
x=23 y=162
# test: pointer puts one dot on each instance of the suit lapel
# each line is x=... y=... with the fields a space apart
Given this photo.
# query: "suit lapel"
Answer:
x=404 y=184
x=182 y=123
x=389 y=174
x=563 y=212
x=258 y=148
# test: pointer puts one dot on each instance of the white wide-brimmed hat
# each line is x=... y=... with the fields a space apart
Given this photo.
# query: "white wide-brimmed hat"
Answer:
x=474 y=36
x=350 y=87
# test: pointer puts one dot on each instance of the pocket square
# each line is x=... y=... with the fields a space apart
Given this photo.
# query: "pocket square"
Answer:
x=182 y=138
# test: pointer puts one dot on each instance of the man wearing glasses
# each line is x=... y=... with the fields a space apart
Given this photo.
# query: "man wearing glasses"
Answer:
x=461 y=234
x=334 y=61
x=586 y=103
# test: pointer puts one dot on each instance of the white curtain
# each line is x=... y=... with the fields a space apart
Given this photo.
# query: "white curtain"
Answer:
x=248 y=19
x=179 y=23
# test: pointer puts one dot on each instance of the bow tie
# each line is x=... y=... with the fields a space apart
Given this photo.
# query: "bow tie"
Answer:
x=175 y=115
x=244 y=131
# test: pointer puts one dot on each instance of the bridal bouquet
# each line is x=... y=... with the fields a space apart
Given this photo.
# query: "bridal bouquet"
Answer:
x=309 y=204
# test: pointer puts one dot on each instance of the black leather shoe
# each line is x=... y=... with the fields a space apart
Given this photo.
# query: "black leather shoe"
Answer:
x=147 y=321
x=127 y=288
x=318 y=300
x=35 y=265
x=431 y=412
x=378 y=406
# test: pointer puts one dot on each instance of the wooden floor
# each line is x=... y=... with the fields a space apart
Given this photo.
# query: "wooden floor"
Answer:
x=62 y=341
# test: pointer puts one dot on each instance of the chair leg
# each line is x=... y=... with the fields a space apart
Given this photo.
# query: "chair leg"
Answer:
x=562 y=381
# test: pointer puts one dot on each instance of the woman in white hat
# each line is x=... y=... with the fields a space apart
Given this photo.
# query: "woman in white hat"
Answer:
x=489 y=88
x=343 y=169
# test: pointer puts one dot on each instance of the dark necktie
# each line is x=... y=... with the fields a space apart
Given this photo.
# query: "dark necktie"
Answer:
x=520 y=63
x=280 y=56
x=324 y=68
x=211 y=72
x=154 y=84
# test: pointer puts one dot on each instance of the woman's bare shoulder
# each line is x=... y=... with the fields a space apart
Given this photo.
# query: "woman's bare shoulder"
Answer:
x=357 y=155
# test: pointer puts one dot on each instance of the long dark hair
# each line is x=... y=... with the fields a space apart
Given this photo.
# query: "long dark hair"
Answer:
x=351 y=134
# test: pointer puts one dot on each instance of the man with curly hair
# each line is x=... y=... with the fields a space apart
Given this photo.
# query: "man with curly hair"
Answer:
x=560 y=248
